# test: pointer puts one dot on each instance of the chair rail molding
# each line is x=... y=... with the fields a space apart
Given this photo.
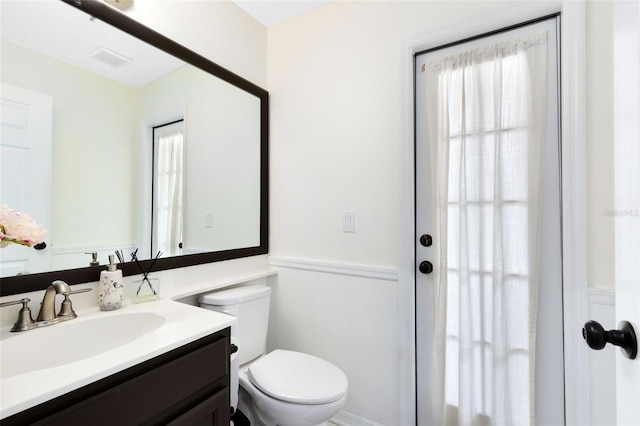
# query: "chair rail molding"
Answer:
x=340 y=268
x=602 y=296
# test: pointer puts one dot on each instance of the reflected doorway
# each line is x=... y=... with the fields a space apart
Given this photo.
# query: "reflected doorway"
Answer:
x=168 y=189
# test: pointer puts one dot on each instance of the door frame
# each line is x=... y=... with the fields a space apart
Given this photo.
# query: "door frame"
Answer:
x=573 y=164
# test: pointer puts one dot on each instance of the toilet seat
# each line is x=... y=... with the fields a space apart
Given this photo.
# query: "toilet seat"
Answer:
x=297 y=378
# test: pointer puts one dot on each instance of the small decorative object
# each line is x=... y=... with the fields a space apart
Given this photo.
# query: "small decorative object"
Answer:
x=19 y=228
x=110 y=289
x=147 y=289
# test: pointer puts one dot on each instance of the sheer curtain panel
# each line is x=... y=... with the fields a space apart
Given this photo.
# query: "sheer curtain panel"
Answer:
x=486 y=136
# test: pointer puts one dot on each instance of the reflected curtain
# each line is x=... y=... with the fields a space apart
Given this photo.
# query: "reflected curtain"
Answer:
x=486 y=122
x=168 y=188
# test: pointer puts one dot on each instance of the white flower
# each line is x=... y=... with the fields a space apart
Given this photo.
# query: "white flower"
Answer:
x=19 y=228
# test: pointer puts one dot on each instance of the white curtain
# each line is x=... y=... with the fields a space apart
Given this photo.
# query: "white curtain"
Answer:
x=168 y=188
x=486 y=124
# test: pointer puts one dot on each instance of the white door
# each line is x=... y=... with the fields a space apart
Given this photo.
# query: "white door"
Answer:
x=626 y=69
x=26 y=160
x=549 y=392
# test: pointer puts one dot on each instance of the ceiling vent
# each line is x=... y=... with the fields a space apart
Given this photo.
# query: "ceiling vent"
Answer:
x=109 y=57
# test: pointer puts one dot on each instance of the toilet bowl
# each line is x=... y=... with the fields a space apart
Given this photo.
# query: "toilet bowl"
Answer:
x=284 y=388
x=289 y=388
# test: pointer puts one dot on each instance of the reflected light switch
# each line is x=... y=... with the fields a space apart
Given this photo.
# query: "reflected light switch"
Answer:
x=349 y=221
x=208 y=219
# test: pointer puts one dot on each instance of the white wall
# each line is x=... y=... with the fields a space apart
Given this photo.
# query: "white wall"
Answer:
x=335 y=84
x=347 y=320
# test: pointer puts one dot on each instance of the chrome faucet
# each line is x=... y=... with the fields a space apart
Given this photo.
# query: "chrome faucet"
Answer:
x=47 y=314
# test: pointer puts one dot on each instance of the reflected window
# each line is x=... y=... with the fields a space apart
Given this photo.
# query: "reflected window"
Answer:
x=168 y=188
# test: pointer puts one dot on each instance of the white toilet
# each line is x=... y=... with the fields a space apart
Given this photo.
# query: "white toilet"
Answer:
x=283 y=388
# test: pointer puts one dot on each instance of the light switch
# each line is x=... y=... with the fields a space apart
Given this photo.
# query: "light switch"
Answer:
x=208 y=220
x=349 y=221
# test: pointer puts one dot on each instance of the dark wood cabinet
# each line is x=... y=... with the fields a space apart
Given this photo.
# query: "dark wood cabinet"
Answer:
x=187 y=386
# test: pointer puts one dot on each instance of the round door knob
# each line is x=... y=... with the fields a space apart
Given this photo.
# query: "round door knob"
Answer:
x=40 y=246
x=426 y=267
x=597 y=337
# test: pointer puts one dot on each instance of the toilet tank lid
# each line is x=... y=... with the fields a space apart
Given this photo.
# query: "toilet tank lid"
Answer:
x=235 y=295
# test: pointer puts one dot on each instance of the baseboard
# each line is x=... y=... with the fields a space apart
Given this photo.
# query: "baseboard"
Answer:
x=345 y=418
x=352 y=269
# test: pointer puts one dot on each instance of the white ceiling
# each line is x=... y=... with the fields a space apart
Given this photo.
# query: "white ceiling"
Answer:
x=55 y=29
x=273 y=12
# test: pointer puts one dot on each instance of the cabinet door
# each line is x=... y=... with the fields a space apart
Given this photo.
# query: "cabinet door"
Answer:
x=155 y=396
x=213 y=411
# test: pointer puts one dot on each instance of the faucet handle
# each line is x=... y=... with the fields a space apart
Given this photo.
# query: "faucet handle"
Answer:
x=66 y=309
x=25 y=321
x=82 y=290
x=15 y=302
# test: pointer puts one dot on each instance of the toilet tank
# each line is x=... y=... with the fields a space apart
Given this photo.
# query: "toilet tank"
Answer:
x=250 y=304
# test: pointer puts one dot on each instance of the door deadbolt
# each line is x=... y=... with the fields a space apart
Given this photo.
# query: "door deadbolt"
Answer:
x=425 y=267
x=426 y=240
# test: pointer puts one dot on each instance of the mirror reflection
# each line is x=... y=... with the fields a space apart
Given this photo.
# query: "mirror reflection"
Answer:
x=105 y=171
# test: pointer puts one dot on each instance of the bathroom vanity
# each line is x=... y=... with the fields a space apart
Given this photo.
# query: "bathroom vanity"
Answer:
x=162 y=362
x=186 y=386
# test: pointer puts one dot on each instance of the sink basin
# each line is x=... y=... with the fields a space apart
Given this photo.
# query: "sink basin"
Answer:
x=72 y=341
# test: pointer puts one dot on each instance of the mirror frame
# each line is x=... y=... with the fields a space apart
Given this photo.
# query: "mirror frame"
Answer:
x=105 y=13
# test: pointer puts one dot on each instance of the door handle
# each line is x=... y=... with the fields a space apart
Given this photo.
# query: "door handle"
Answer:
x=597 y=337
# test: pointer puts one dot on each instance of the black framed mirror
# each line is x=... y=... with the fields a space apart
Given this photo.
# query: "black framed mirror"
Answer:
x=255 y=245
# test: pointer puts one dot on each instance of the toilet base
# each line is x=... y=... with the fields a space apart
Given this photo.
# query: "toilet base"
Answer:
x=253 y=414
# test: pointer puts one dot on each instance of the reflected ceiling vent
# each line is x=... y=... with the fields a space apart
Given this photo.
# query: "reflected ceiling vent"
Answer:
x=109 y=57
x=120 y=4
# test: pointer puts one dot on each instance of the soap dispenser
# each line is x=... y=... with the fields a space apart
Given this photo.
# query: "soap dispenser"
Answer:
x=110 y=290
x=94 y=259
